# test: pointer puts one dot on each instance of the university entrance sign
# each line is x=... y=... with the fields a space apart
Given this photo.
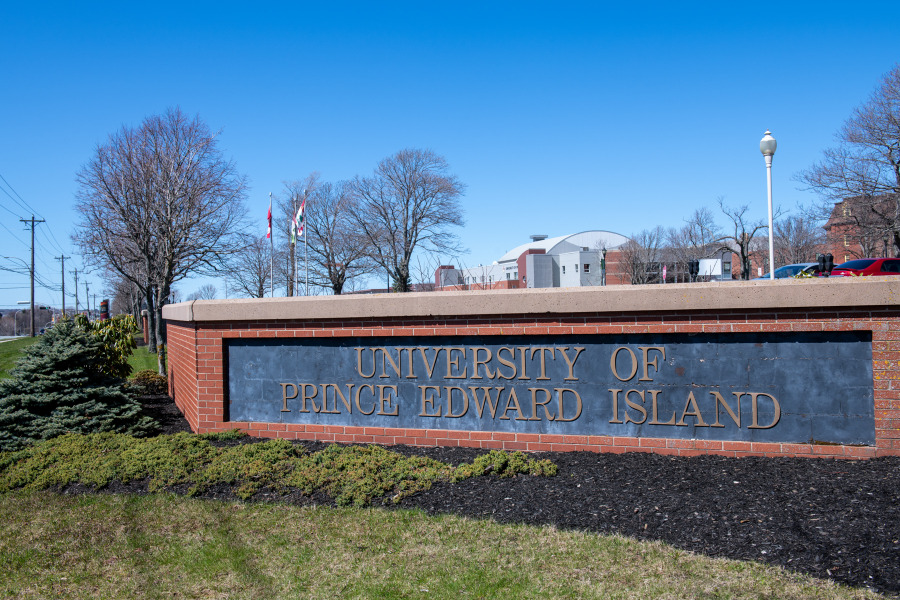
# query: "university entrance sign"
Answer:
x=771 y=368
x=764 y=387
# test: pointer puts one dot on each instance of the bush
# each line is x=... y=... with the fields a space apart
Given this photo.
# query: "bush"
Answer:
x=61 y=385
x=116 y=337
x=149 y=383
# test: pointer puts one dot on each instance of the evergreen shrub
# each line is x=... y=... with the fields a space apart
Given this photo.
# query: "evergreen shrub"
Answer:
x=62 y=385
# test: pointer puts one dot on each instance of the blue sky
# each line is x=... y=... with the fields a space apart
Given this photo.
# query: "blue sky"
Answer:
x=559 y=117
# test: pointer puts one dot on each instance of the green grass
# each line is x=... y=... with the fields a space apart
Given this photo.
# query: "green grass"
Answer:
x=11 y=351
x=162 y=546
x=142 y=359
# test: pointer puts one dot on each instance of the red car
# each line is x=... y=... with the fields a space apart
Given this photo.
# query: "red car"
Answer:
x=868 y=266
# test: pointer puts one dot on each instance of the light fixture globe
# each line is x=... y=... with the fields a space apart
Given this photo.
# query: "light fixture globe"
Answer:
x=768 y=144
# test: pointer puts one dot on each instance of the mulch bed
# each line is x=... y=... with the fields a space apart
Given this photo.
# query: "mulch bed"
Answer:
x=823 y=517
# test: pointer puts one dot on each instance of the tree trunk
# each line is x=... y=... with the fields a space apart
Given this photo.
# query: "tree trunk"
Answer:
x=160 y=331
x=151 y=320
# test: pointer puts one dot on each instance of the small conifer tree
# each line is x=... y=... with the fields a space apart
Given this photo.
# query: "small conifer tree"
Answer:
x=60 y=386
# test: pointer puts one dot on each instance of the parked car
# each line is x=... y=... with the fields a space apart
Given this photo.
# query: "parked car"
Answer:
x=867 y=266
x=793 y=270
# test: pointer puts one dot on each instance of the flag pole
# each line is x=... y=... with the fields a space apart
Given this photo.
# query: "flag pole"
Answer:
x=272 y=256
x=306 y=248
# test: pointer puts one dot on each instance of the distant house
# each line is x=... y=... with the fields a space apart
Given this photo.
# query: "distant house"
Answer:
x=854 y=229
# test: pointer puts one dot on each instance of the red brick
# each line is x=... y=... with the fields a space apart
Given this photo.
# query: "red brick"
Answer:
x=761 y=447
x=652 y=443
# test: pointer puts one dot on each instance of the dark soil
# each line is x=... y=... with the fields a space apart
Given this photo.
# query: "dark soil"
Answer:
x=822 y=517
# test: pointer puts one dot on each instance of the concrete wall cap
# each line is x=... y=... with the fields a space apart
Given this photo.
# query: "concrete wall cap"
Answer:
x=816 y=293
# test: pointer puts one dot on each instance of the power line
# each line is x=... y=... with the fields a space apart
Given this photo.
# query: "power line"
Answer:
x=15 y=237
x=21 y=204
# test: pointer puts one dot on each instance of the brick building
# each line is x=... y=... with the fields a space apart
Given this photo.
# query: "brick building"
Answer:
x=853 y=231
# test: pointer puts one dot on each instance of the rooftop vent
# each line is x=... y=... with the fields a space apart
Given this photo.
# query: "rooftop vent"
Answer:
x=537 y=237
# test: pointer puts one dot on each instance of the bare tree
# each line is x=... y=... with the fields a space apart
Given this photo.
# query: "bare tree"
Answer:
x=408 y=204
x=206 y=292
x=700 y=237
x=338 y=250
x=250 y=269
x=865 y=165
x=159 y=203
x=641 y=257
x=742 y=235
x=797 y=239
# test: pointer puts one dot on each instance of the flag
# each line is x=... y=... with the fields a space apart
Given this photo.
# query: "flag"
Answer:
x=269 y=220
x=298 y=218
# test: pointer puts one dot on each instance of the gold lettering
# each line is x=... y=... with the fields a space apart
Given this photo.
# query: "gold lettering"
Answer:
x=487 y=369
x=736 y=417
x=372 y=391
x=385 y=356
x=571 y=362
x=486 y=399
x=285 y=397
x=509 y=363
x=465 y=407
x=522 y=353
x=304 y=397
x=534 y=403
x=655 y=421
x=451 y=362
x=359 y=363
x=324 y=387
x=542 y=357
x=638 y=407
x=430 y=366
x=409 y=362
x=429 y=401
x=775 y=404
x=647 y=362
x=338 y=393
x=692 y=402
x=386 y=399
x=513 y=398
x=634 y=364
x=615 y=404
x=560 y=392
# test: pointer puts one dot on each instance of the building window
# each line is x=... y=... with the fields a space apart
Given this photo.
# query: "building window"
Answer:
x=564 y=269
x=507 y=276
x=576 y=267
x=587 y=267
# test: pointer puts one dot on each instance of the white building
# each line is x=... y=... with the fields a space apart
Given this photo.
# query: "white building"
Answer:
x=566 y=261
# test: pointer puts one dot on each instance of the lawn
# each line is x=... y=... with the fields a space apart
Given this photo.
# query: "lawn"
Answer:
x=10 y=352
x=163 y=546
x=142 y=359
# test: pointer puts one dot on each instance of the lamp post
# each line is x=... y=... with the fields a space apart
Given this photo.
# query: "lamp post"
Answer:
x=767 y=146
x=603 y=266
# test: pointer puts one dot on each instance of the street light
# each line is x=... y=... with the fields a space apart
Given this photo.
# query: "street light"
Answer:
x=603 y=266
x=767 y=146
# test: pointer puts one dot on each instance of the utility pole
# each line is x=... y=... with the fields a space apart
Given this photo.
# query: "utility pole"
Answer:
x=76 y=290
x=62 y=260
x=87 y=298
x=33 y=222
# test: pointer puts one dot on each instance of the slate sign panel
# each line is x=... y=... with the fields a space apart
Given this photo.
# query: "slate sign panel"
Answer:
x=768 y=387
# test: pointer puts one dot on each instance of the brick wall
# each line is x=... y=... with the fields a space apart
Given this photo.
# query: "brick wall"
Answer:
x=197 y=372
